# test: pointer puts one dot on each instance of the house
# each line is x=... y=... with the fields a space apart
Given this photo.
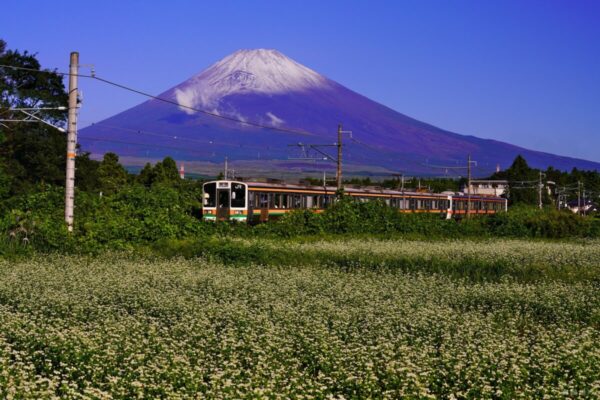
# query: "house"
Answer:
x=582 y=207
x=487 y=187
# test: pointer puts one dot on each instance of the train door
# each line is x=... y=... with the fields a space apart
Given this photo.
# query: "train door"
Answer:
x=223 y=204
x=264 y=207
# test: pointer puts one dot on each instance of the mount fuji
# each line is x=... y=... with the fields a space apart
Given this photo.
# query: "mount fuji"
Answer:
x=284 y=103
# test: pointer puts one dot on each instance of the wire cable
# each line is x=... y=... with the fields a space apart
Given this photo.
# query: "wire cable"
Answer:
x=175 y=103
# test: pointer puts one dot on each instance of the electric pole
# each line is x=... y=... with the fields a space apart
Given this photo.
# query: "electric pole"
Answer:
x=579 y=197
x=469 y=186
x=540 y=186
x=71 y=141
x=339 y=158
x=226 y=172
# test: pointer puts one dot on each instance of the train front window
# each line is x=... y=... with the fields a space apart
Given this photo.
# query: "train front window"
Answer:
x=210 y=194
x=238 y=195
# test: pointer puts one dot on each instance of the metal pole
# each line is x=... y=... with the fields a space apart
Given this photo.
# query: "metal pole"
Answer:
x=469 y=186
x=339 y=158
x=226 y=172
x=71 y=141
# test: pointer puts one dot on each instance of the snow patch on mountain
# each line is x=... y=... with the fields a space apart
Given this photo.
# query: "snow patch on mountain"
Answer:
x=246 y=71
x=274 y=119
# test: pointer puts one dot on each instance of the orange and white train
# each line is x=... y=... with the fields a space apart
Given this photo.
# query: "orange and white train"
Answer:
x=257 y=201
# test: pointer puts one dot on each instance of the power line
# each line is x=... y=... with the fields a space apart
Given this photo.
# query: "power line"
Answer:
x=175 y=103
x=172 y=137
x=143 y=144
x=212 y=114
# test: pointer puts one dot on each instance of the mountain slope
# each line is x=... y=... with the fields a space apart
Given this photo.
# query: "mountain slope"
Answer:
x=265 y=87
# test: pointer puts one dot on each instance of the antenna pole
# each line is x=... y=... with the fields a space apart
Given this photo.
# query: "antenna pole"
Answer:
x=339 y=158
x=71 y=141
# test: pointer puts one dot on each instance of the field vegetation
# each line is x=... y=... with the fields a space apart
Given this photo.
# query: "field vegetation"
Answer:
x=131 y=326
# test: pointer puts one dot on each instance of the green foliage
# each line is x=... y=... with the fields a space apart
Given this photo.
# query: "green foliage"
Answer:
x=163 y=173
x=86 y=173
x=132 y=216
x=30 y=153
x=348 y=216
x=112 y=177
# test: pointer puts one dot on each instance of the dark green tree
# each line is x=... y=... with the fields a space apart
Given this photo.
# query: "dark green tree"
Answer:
x=522 y=181
x=166 y=171
x=163 y=172
x=30 y=153
x=86 y=173
x=111 y=175
x=146 y=176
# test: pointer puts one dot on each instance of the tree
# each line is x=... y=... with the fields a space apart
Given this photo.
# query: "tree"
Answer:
x=86 y=173
x=164 y=173
x=30 y=153
x=111 y=175
x=522 y=181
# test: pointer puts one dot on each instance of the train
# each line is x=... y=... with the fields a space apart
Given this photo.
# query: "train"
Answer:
x=252 y=202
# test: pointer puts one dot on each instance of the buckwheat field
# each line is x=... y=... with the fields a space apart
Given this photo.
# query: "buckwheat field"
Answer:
x=120 y=326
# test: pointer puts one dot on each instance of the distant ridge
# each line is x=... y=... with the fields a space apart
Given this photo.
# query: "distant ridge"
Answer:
x=266 y=87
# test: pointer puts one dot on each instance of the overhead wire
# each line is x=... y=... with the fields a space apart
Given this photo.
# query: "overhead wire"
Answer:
x=175 y=103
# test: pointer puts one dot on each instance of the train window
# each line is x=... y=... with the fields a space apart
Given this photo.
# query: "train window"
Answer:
x=285 y=201
x=238 y=195
x=412 y=204
x=264 y=200
x=310 y=201
x=297 y=201
x=224 y=198
x=210 y=195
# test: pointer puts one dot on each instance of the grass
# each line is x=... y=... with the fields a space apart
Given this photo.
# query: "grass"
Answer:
x=125 y=326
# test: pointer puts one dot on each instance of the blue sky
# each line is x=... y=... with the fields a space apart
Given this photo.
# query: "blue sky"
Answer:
x=525 y=72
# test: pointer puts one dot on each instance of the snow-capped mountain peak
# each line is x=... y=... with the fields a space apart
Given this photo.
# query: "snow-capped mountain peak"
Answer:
x=262 y=71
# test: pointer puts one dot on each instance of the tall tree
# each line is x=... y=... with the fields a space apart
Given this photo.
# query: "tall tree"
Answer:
x=30 y=153
x=111 y=175
x=163 y=172
x=522 y=181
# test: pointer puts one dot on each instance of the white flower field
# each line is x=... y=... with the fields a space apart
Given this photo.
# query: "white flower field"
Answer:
x=121 y=326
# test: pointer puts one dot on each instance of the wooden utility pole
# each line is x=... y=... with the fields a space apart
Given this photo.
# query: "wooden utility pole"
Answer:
x=540 y=186
x=339 y=158
x=579 y=197
x=469 y=186
x=71 y=141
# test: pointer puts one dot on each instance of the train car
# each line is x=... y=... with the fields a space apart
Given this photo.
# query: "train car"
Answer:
x=258 y=202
